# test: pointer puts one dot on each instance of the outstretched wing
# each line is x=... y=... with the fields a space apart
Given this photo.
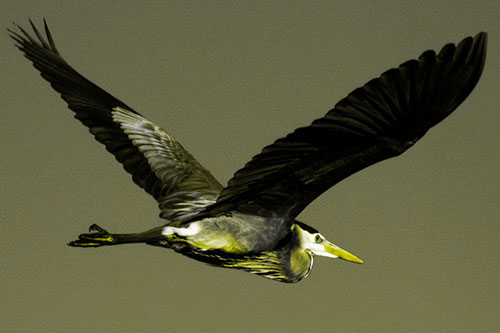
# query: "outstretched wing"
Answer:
x=156 y=161
x=382 y=119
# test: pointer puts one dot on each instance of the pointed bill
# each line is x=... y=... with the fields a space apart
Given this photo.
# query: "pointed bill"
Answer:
x=336 y=251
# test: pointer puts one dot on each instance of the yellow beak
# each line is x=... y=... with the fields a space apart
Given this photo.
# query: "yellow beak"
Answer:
x=336 y=251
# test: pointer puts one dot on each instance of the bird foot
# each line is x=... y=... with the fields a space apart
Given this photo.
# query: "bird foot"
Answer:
x=97 y=237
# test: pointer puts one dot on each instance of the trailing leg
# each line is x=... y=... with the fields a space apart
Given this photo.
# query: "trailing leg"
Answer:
x=100 y=237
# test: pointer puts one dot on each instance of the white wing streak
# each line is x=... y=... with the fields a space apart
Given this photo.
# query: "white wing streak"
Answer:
x=188 y=187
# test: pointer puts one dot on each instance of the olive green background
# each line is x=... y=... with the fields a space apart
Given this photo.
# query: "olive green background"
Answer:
x=226 y=78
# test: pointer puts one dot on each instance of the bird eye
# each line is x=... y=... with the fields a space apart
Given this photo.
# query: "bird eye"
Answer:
x=318 y=239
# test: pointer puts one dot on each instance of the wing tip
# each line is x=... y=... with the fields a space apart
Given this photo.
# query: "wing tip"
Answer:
x=24 y=39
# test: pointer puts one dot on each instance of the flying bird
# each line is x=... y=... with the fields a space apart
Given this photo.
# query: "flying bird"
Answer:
x=250 y=224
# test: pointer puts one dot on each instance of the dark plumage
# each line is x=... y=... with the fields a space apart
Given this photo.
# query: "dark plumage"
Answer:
x=250 y=224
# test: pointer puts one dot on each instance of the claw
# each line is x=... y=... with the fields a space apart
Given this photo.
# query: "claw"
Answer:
x=95 y=227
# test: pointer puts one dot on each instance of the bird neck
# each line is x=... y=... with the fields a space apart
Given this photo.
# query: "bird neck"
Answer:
x=296 y=262
x=300 y=260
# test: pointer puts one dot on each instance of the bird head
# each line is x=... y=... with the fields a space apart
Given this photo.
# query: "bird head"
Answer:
x=313 y=242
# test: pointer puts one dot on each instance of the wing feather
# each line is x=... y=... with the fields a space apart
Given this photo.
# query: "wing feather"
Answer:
x=382 y=119
x=156 y=161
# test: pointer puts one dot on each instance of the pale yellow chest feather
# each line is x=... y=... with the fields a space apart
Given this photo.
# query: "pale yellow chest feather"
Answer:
x=300 y=261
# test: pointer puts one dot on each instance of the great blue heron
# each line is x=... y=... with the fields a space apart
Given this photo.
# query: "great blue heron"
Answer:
x=250 y=224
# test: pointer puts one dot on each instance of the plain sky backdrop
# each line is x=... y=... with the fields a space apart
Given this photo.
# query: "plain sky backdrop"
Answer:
x=226 y=78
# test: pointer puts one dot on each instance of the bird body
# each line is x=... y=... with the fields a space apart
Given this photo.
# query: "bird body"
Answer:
x=250 y=224
x=233 y=233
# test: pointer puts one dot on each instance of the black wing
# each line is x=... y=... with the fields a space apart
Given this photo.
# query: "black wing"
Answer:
x=382 y=119
x=156 y=161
